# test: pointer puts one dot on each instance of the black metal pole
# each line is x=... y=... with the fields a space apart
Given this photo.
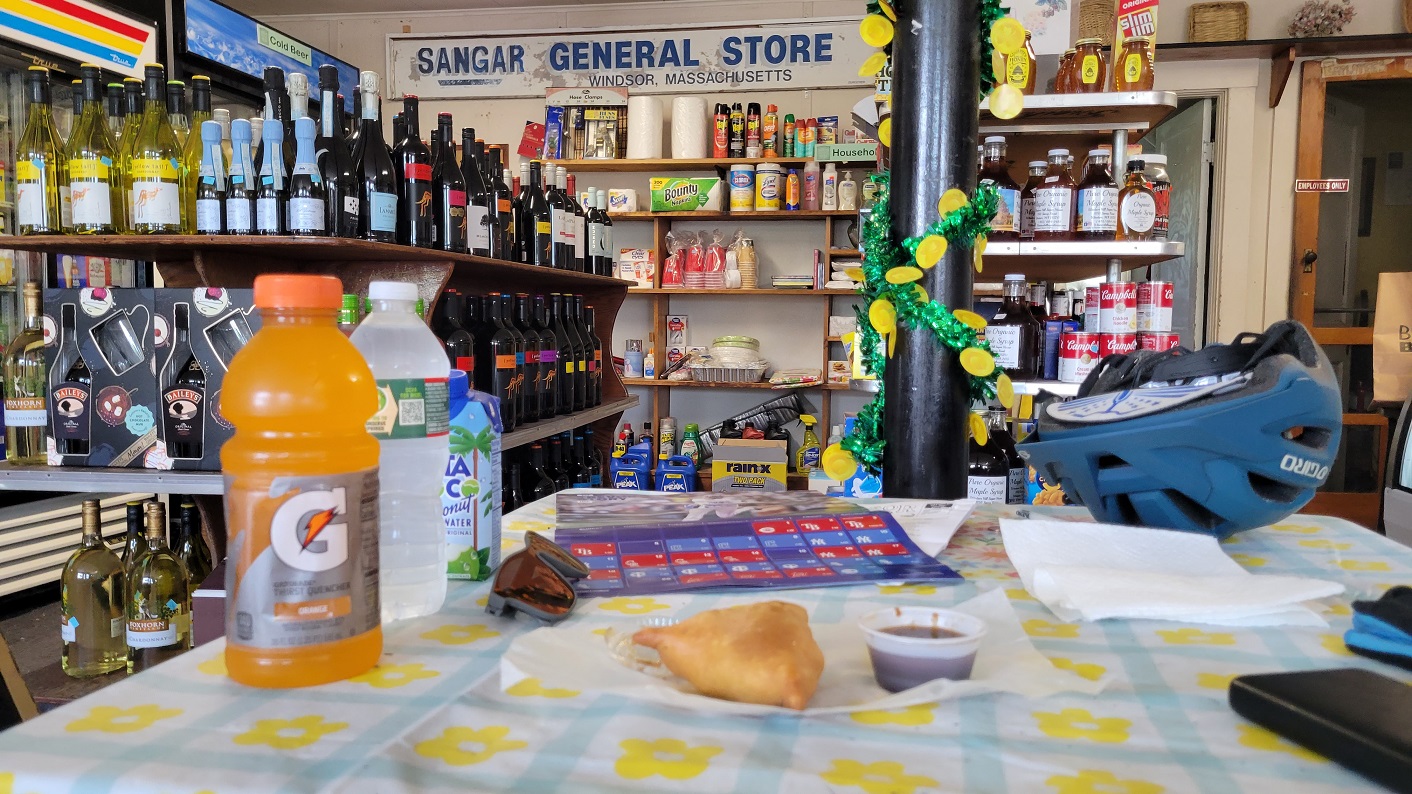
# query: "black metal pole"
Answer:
x=934 y=121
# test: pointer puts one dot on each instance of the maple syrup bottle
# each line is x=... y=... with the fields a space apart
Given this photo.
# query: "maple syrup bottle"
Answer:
x=1006 y=223
x=1015 y=333
x=1054 y=200
x=1096 y=217
x=1137 y=207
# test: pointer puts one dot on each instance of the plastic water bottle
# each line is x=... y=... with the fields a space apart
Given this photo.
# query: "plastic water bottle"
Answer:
x=411 y=426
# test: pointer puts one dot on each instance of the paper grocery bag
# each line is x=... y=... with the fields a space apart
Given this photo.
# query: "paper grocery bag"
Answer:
x=1392 y=338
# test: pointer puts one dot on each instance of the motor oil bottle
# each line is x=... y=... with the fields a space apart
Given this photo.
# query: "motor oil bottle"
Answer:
x=691 y=443
x=301 y=481
x=807 y=458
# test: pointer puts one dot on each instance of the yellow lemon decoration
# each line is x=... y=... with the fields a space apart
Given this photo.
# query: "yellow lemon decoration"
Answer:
x=977 y=362
x=1026 y=406
x=891 y=344
x=838 y=462
x=873 y=64
x=979 y=430
x=887 y=9
x=1005 y=390
x=978 y=251
x=1006 y=101
x=922 y=294
x=885 y=132
x=931 y=250
x=855 y=273
x=883 y=315
x=875 y=30
x=905 y=274
x=951 y=201
x=970 y=318
x=1007 y=35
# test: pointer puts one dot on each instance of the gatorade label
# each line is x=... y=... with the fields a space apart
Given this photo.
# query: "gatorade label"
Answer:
x=317 y=580
x=411 y=408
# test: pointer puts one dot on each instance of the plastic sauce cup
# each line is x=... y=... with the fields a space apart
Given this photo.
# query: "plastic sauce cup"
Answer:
x=902 y=662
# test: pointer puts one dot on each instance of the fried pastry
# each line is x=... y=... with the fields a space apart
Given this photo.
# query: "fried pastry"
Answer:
x=756 y=653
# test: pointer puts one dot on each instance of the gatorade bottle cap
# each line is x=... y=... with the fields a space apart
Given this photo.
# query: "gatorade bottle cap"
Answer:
x=288 y=291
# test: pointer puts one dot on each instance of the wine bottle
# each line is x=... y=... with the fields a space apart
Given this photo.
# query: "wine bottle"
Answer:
x=583 y=351
x=95 y=188
x=524 y=225
x=595 y=359
x=298 y=102
x=537 y=483
x=156 y=180
x=135 y=541
x=448 y=189
x=580 y=224
x=193 y=150
x=548 y=359
x=272 y=192
x=582 y=476
x=600 y=235
x=176 y=111
x=159 y=609
x=540 y=215
x=460 y=344
x=25 y=387
x=556 y=467
x=240 y=196
x=307 y=199
x=193 y=552
x=377 y=196
x=561 y=252
x=222 y=117
x=132 y=120
x=113 y=108
x=504 y=363
x=182 y=384
x=335 y=161
x=211 y=182
x=70 y=390
x=530 y=398
x=37 y=171
x=93 y=588
x=594 y=459
x=480 y=201
x=566 y=356
x=276 y=110
x=413 y=163
x=66 y=216
x=357 y=126
x=505 y=214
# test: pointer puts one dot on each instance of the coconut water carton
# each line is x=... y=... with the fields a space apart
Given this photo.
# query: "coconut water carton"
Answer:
x=470 y=495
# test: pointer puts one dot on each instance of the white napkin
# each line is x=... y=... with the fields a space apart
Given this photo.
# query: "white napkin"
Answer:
x=1085 y=571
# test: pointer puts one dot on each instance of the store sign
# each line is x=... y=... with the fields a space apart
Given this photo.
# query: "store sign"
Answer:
x=846 y=152
x=81 y=31
x=1321 y=185
x=229 y=38
x=803 y=54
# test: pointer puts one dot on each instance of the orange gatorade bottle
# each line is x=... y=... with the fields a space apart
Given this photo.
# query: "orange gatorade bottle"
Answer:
x=301 y=478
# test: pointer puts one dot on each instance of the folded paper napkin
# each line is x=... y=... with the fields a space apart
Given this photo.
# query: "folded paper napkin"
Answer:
x=1085 y=571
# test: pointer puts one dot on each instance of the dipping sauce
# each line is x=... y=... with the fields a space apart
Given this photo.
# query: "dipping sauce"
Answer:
x=929 y=632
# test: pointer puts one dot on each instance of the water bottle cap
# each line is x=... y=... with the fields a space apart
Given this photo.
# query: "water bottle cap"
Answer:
x=392 y=291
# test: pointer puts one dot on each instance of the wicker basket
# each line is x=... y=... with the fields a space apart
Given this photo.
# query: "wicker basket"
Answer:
x=1218 y=22
x=1096 y=20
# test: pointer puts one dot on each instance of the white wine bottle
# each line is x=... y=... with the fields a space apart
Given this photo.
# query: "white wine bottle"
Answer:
x=211 y=183
x=307 y=196
x=159 y=609
x=192 y=150
x=37 y=171
x=156 y=163
x=93 y=588
x=25 y=387
x=132 y=120
x=240 y=195
x=94 y=186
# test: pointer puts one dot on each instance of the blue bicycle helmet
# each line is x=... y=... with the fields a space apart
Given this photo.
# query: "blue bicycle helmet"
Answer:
x=1216 y=441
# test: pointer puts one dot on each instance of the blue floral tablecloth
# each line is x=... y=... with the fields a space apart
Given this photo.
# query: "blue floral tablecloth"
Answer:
x=432 y=718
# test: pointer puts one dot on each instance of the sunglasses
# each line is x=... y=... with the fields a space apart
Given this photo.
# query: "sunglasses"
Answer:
x=536 y=580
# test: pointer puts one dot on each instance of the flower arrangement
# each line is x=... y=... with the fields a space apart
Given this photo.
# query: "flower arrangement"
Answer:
x=1321 y=18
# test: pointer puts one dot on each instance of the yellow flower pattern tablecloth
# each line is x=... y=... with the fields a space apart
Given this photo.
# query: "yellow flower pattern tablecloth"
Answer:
x=432 y=717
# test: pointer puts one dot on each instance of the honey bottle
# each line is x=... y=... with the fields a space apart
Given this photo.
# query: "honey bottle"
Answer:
x=1064 y=79
x=1020 y=67
x=1137 y=207
x=1090 y=67
x=1133 y=71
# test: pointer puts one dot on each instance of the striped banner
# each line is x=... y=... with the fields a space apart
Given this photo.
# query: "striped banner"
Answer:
x=81 y=31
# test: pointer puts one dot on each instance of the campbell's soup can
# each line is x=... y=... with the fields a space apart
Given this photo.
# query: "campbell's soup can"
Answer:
x=1117 y=307
x=742 y=184
x=1091 y=309
x=1158 y=342
x=1113 y=344
x=1078 y=355
x=769 y=186
x=1154 y=307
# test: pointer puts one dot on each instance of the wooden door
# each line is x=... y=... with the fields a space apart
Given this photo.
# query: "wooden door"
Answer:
x=1352 y=125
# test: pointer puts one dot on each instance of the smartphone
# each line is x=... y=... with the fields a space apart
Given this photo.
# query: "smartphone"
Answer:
x=1357 y=718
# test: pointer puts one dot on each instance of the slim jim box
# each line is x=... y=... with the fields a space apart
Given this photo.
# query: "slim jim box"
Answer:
x=749 y=464
x=97 y=353
x=196 y=333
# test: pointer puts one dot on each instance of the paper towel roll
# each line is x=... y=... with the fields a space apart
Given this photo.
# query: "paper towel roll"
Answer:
x=644 y=128
x=689 y=127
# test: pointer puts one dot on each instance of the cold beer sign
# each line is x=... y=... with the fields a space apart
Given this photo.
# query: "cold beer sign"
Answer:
x=806 y=54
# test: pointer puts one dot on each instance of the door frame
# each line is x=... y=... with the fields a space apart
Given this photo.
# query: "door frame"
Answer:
x=1315 y=75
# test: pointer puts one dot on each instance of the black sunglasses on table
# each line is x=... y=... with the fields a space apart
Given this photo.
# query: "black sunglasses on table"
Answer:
x=536 y=580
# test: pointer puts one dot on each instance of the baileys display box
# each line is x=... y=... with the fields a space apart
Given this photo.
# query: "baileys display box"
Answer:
x=134 y=375
x=102 y=386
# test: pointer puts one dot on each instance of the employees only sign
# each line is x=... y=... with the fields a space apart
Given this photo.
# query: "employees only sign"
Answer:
x=804 y=54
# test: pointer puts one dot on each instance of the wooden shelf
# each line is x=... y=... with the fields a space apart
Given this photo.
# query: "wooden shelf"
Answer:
x=1070 y=114
x=525 y=435
x=837 y=339
x=702 y=164
x=845 y=252
x=653 y=383
x=1075 y=261
x=713 y=215
x=767 y=292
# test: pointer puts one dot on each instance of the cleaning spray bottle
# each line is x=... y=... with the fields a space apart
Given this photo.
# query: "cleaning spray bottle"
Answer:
x=807 y=459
